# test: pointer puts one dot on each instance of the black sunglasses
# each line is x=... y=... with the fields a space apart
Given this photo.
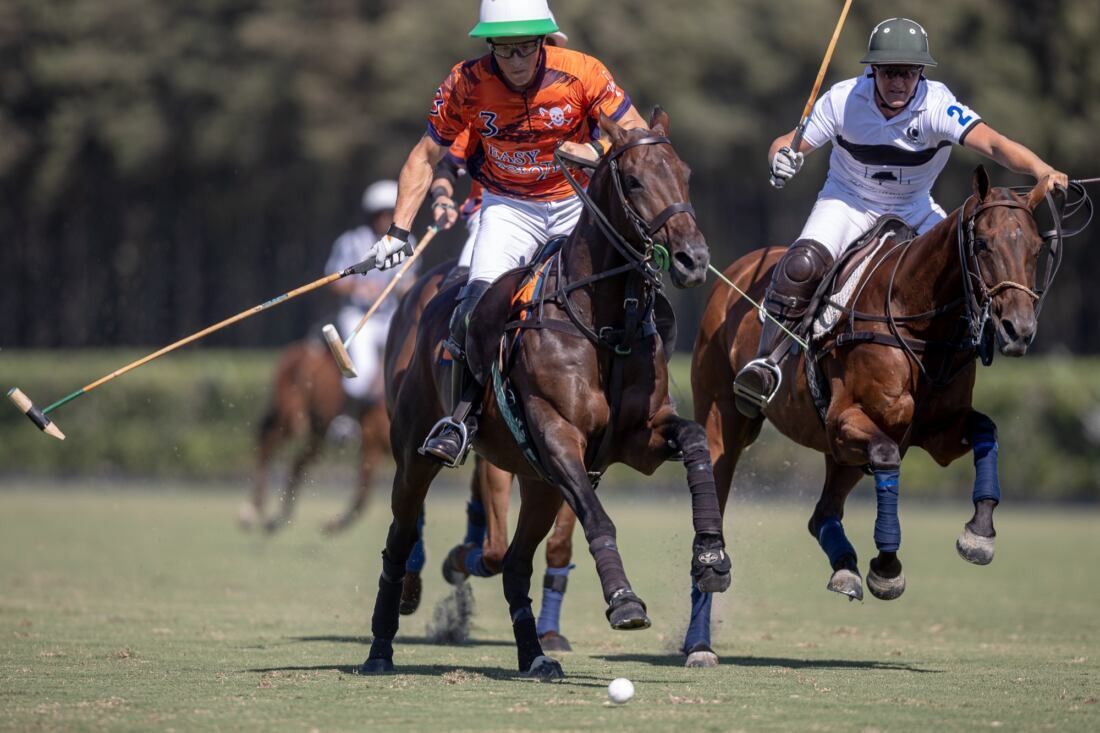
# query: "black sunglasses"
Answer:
x=508 y=50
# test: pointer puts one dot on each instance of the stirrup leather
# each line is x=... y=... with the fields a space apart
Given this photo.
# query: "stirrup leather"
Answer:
x=759 y=400
x=463 y=449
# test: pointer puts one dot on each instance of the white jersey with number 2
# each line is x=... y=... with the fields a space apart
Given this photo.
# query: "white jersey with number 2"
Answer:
x=880 y=166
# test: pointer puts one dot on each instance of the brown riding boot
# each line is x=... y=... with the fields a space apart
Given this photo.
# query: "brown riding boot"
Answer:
x=794 y=280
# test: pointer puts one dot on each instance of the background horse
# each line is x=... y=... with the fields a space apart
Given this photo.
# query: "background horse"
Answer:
x=306 y=397
x=904 y=379
x=578 y=390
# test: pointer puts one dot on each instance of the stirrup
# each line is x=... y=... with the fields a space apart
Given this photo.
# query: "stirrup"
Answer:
x=463 y=448
x=759 y=400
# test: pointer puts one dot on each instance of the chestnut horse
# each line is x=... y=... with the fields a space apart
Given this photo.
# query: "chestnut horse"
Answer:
x=590 y=379
x=924 y=309
x=306 y=397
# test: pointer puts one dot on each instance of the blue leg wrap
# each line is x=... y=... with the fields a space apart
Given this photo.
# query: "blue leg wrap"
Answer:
x=983 y=436
x=475 y=523
x=553 y=592
x=416 y=560
x=887 y=526
x=698 y=630
x=475 y=564
x=831 y=537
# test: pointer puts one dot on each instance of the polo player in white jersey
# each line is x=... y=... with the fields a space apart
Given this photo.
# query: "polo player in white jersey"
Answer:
x=891 y=132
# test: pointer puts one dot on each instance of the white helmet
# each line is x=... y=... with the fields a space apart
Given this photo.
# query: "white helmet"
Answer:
x=557 y=38
x=503 y=18
x=379 y=196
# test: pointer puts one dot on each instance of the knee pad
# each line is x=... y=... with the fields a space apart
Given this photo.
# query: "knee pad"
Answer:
x=806 y=261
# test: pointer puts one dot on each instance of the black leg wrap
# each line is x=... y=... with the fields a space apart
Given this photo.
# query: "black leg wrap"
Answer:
x=393 y=572
x=705 y=512
x=527 y=641
x=609 y=565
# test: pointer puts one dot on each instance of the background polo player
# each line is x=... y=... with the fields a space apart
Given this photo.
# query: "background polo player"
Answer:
x=891 y=132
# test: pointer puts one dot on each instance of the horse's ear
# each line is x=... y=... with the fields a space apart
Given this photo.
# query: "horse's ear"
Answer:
x=1038 y=195
x=617 y=134
x=659 y=120
x=981 y=182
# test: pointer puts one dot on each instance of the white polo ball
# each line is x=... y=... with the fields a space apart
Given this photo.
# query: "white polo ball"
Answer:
x=620 y=690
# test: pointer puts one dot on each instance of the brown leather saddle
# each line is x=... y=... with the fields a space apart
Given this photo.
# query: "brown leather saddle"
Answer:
x=500 y=307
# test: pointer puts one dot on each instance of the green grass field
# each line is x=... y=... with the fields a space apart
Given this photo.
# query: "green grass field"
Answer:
x=142 y=610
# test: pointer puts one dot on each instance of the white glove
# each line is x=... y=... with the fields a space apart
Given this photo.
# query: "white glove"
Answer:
x=784 y=165
x=389 y=251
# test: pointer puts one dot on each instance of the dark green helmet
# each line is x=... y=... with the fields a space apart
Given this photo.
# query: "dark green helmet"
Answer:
x=898 y=41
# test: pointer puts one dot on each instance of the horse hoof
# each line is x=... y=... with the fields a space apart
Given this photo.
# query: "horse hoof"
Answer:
x=377 y=666
x=885 y=589
x=847 y=583
x=552 y=641
x=702 y=658
x=545 y=669
x=248 y=516
x=974 y=548
x=629 y=616
x=411 y=589
x=712 y=581
x=452 y=573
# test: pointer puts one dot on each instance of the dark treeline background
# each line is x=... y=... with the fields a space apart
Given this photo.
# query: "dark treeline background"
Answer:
x=166 y=164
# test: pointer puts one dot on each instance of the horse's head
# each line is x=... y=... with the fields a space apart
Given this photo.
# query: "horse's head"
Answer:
x=653 y=208
x=1003 y=245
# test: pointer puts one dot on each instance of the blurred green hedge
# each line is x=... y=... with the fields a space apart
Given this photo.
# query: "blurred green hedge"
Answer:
x=194 y=416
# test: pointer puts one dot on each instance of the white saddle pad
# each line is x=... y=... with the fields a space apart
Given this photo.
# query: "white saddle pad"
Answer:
x=829 y=316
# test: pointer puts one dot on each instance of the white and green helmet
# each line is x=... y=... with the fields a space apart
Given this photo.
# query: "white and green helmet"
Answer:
x=898 y=41
x=508 y=18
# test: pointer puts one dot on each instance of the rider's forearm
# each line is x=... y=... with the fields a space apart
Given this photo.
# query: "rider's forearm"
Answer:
x=1017 y=158
x=416 y=176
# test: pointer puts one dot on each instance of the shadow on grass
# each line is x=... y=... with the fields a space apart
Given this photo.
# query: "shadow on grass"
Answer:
x=436 y=670
x=409 y=640
x=677 y=660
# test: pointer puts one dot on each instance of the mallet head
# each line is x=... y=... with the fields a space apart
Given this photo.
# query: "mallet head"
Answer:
x=35 y=415
x=339 y=353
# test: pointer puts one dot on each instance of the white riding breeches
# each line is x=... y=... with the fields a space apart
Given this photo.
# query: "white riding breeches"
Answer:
x=472 y=226
x=511 y=230
x=366 y=351
x=838 y=220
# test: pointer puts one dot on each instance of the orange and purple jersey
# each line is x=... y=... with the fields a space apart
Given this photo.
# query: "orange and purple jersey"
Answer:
x=513 y=134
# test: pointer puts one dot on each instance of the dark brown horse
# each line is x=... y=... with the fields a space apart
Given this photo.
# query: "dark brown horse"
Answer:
x=896 y=372
x=481 y=553
x=305 y=399
x=592 y=388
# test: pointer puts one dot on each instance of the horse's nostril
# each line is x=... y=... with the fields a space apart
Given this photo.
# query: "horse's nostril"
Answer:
x=1010 y=330
x=686 y=261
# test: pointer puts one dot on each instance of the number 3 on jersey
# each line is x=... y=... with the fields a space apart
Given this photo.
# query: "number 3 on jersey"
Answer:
x=490 y=130
x=957 y=111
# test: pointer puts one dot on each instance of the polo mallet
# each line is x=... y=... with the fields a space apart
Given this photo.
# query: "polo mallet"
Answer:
x=339 y=348
x=796 y=141
x=38 y=417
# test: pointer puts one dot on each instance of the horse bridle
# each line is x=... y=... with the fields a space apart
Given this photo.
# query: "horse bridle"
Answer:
x=977 y=295
x=654 y=258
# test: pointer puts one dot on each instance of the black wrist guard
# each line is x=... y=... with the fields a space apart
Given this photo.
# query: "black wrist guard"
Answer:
x=398 y=233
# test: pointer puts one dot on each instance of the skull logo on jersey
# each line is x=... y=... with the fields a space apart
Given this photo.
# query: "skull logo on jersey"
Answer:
x=557 y=116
